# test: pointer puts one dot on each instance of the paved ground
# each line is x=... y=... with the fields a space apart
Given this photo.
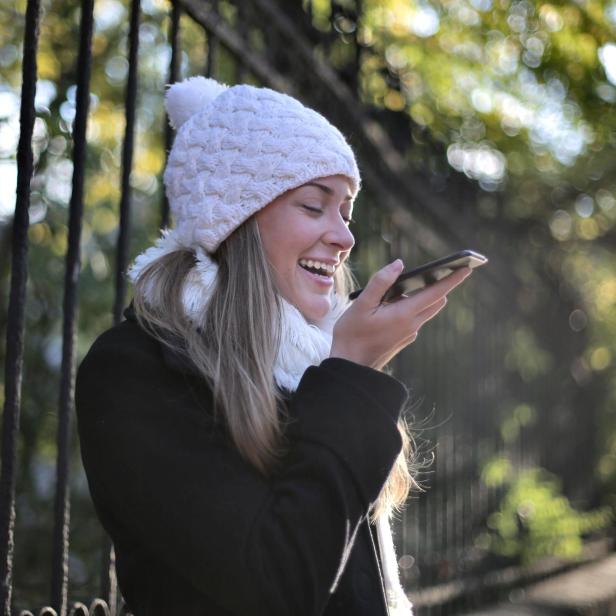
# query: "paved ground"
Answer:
x=589 y=590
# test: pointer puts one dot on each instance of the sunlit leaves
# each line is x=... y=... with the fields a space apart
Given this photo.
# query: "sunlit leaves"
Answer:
x=535 y=519
x=321 y=14
x=496 y=471
x=521 y=67
x=607 y=56
x=108 y=14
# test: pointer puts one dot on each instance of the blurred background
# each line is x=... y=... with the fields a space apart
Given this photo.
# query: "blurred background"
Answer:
x=482 y=124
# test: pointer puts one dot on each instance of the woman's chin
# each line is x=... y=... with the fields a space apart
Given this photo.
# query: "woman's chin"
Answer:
x=315 y=308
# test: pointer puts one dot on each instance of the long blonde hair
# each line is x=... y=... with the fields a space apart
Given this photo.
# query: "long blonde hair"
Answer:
x=234 y=345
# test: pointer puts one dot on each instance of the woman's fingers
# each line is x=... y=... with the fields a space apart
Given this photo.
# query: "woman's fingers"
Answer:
x=372 y=337
x=421 y=300
x=447 y=284
x=379 y=283
x=413 y=312
x=425 y=315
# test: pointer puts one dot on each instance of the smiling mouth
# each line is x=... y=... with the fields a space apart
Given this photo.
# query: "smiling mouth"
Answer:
x=318 y=268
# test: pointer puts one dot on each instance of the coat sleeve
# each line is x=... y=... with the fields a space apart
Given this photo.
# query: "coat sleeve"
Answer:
x=255 y=546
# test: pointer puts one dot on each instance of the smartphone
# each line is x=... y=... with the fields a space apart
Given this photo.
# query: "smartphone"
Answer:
x=429 y=273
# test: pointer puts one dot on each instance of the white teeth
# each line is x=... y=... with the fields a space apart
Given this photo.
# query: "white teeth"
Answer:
x=329 y=269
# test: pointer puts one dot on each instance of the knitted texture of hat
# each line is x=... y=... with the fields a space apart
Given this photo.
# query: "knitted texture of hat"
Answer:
x=236 y=150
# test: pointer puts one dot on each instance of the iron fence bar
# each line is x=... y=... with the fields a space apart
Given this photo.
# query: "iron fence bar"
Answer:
x=127 y=161
x=17 y=298
x=59 y=561
x=443 y=500
x=108 y=576
x=242 y=29
x=359 y=47
x=174 y=73
x=211 y=48
x=206 y=16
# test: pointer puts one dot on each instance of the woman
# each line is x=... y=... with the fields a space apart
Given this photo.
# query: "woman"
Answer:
x=243 y=449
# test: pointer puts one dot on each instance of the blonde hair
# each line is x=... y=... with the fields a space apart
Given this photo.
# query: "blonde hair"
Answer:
x=238 y=360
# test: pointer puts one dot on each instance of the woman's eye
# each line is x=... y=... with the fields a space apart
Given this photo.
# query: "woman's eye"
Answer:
x=317 y=210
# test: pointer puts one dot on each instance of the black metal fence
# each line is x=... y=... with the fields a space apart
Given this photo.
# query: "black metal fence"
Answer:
x=456 y=370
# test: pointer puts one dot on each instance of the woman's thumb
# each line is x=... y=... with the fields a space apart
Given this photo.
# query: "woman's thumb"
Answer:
x=381 y=281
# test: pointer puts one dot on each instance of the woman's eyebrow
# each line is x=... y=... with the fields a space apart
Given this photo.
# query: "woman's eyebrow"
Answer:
x=327 y=190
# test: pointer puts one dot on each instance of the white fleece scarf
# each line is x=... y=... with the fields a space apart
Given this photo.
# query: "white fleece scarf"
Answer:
x=302 y=345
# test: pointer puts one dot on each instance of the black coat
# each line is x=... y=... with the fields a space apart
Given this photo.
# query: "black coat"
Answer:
x=197 y=531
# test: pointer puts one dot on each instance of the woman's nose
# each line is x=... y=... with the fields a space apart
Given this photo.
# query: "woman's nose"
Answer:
x=340 y=235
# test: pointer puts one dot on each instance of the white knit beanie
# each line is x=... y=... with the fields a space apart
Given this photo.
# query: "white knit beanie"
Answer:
x=236 y=150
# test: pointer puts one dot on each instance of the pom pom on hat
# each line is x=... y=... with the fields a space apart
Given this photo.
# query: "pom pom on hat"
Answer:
x=186 y=98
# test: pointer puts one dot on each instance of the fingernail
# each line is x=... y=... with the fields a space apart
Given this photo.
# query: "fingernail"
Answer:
x=396 y=265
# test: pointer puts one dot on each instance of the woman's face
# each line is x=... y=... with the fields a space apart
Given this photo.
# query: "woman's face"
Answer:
x=305 y=234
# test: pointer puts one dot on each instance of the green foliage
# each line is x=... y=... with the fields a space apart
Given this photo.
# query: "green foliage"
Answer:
x=525 y=80
x=496 y=471
x=535 y=519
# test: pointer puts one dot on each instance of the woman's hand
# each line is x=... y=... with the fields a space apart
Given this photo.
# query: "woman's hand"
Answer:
x=371 y=333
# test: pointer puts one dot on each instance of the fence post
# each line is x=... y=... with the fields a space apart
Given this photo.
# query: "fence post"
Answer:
x=17 y=298
x=59 y=561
